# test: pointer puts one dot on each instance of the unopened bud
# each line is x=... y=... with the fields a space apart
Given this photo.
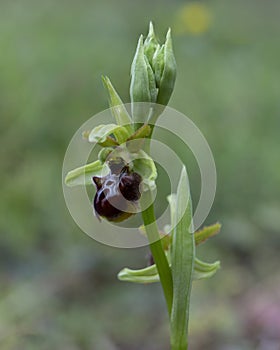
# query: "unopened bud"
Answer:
x=150 y=44
x=153 y=74
x=142 y=86
x=168 y=77
x=158 y=63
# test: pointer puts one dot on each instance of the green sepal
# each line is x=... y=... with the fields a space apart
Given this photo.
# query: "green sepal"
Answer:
x=101 y=135
x=83 y=175
x=117 y=107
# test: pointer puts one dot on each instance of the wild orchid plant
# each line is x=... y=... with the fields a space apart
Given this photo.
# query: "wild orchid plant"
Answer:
x=124 y=177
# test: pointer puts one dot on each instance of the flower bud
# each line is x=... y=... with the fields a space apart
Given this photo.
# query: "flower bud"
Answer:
x=152 y=82
x=158 y=63
x=142 y=86
x=168 y=76
x=153 y=74
x=150 y=44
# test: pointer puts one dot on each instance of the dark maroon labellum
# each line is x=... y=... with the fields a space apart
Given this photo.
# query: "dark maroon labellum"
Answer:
x=116 y=191
x=129 y=186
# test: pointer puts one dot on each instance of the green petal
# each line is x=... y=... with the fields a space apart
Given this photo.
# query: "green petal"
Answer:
x=145 y=166
x=101 y=133
x=83 y=175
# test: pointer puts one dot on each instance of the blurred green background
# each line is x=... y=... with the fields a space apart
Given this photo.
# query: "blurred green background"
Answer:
x=58 y=287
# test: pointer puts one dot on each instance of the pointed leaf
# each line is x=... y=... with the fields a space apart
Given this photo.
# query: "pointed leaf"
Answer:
x=182 y=261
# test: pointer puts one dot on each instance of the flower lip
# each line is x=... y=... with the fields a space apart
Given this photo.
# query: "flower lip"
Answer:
x=129 y=186
x=116 y=191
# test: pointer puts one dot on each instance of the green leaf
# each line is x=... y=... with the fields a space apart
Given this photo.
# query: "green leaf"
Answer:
x=182 y=264
x=101 y=134
x=203 y=270
x=83 y=175
x=117 y=107
x=206 y=232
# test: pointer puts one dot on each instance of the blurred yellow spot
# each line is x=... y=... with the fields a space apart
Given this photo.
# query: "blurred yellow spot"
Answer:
x=194 y=18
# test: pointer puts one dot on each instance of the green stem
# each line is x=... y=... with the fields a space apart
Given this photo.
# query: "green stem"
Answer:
x=159 y=256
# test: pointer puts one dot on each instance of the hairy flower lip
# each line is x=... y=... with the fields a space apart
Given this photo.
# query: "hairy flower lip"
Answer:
x=115 y=190
x=129 y=186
